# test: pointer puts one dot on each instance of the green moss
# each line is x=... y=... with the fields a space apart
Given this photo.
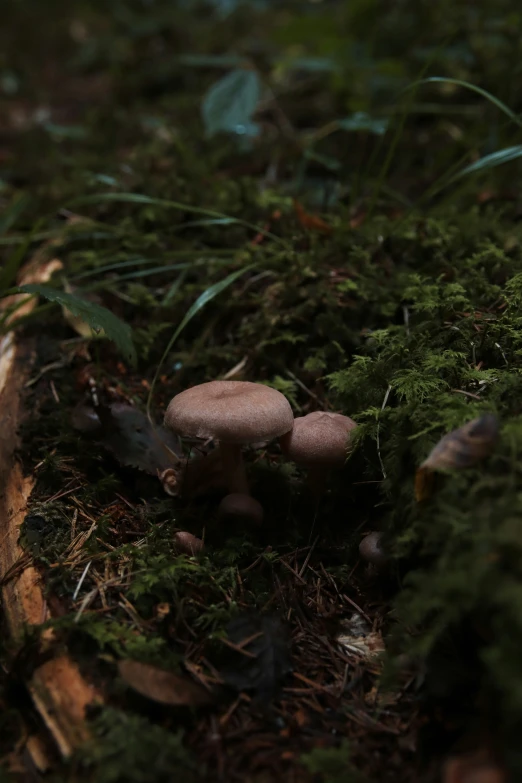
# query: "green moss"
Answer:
x=332 y=765
x=130 y=749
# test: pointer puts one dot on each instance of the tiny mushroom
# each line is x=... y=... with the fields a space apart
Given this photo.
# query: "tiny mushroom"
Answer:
x=371 y=549
x=243 y=508
x=187 y=544
x=235 y=413
x=318 y=442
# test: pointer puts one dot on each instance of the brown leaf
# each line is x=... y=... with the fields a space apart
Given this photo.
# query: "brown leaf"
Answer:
x=462 y=448
x=465 y=446
x=163 y=686
x=311 y=222
x=424 y=483
x=131 y=437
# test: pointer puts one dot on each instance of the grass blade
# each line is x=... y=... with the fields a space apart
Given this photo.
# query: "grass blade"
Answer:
x=489 y=161
x=140 y=198
x=469 y=86
x=207 y=296
x=403 y=115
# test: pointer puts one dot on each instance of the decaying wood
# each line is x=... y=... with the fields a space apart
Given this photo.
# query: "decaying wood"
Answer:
x=60 y=693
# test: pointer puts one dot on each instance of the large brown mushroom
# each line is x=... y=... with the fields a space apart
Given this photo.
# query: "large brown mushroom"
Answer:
x=241 y=508
x=319 y=442
x=235 y=413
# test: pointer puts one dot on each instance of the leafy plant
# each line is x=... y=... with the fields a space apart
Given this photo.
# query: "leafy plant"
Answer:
x=231 y=102
x=97 y=317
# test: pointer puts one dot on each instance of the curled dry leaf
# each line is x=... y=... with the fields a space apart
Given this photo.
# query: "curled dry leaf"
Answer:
x=258 y=655
x=163 y=686
x=132 y=438
x=462 y=448
x=357 y=638
x=424 y=484
x=465 y=446
x=311 y=222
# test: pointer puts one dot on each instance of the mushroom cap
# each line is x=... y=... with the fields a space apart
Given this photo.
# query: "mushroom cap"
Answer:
x=371 y=549
x=187 y=544
x=319 y=438
x=241 y=507
x=231 y=411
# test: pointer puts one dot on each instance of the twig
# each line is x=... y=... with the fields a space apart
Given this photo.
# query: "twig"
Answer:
x=377 y=439
x=84 y=574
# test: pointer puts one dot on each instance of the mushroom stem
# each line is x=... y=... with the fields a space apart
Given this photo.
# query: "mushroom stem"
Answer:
x=234 y=468
x=316 y=478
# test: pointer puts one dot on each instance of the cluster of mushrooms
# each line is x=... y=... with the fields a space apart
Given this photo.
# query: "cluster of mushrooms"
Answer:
x=240 y=413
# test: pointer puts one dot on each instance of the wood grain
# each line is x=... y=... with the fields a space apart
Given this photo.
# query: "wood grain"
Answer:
x=60 y=693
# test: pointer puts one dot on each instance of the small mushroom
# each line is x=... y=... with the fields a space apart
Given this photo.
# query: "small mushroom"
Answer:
x=318 y=442
x=472 y=768
x=242 y=508
x=187 y=544
x=371 y=549
x=235 y=413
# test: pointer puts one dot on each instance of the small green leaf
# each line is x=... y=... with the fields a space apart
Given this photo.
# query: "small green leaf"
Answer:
x=360 y=121
x=97 y=317
x=66 y=131
x=230 y=103
x=490 y=161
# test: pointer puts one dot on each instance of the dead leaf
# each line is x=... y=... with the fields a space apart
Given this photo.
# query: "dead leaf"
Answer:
x=462 y=448
x=130 y=436
x=358 y=638
x=258 y=655
x=465 y=446
x=311 y=222
x=163 y=686
x=424 y=483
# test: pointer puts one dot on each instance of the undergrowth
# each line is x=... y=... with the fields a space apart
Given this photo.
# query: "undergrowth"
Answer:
x=382 y=294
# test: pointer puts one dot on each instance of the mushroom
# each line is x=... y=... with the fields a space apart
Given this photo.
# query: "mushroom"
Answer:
x=242 y=508
x=187 y=544
x=235 y=413
x=371 y=549
x=318 y=442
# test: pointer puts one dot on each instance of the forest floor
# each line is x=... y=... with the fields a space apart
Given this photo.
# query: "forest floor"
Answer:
x=265 y=192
